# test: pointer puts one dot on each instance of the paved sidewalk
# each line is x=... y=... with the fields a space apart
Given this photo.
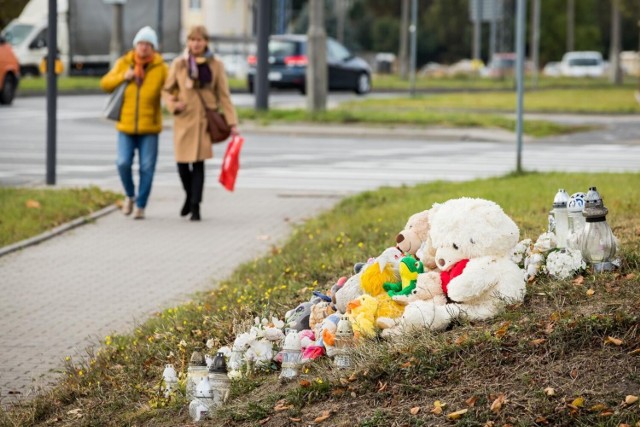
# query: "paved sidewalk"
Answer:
x=71 y=291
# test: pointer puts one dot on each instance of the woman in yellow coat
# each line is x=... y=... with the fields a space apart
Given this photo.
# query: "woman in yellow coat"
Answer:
x=196 y=78
x=141 y=117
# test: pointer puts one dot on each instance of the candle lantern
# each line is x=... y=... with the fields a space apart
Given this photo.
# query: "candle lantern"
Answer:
x=343 y=343
x=597 y=243
x=170 y=379
x=236 y=362
x=558 y=219
x=290 y=356
x=576 y=219
x=195 y=372
x=219 y=380
x=202 y=403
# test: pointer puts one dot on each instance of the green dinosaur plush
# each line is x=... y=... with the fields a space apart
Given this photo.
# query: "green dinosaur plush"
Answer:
x=409 y=269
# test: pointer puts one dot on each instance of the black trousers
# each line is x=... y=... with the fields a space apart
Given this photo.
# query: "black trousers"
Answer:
x=192 y=177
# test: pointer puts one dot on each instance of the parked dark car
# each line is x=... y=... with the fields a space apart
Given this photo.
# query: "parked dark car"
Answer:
x=9 y=73
x=288 y=65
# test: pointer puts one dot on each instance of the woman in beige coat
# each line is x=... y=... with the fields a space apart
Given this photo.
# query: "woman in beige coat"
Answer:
x=195 y=78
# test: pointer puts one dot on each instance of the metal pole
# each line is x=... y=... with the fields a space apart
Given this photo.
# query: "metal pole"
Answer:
x=492 y=30
x=115 y=47
x=404 y=31
x=571 y=17
x=614 y=50
x=316 y=80
x=52 y=91
x=340 y=11
x=476 y=30
x=413 y=29
x=281 y=16
x=535 y=41
x=520 y=24
x=262 y=70
x=160 y=20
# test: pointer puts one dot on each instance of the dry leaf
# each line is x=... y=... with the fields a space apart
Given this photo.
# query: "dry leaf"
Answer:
x=598 y=407
x=634 y=352
x=295 y=420
x=573 y=374
x=614 y=341
x=304 y=383
x=590 y=292
x=541 y=420
x=414 y=410
x=578 y=280
x=354 y=377
x=32 y=204
x=457 y=414
x=498 y=403
x=489 y=424
x=324 y=415
x=461 y=339
x=630 y=399
x=282 y=407
x=630 y=276
x=437 y=407
x=382 y=386
x=264 y=421
x=406 y=365
x=537 y=342
x=578 y=402
x=549 y=391
x=471 y=401
x=503 y=329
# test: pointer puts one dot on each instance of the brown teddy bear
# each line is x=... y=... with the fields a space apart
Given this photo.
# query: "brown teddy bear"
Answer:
x=415 y=240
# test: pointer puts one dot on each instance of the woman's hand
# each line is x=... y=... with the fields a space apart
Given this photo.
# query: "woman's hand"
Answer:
x=179 y=107
x=128 y=75
x=234 y=130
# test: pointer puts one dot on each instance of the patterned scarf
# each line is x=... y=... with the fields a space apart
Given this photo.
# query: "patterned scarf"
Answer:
x=140 y=64
x=199 y=70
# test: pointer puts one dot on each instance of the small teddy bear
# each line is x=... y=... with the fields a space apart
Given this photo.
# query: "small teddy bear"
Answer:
x=414 y=238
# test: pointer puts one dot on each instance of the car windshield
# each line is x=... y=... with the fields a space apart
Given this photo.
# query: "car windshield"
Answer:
x=584 y=62
x=282 y=48
x=16 y=33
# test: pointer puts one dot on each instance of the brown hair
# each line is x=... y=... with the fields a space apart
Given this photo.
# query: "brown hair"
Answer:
x=198 y=31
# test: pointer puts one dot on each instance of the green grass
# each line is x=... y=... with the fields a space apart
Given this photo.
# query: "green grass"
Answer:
x=86 y=84
x=465 y=367
x=406 y=112
x=612 y=100
x=26 y=212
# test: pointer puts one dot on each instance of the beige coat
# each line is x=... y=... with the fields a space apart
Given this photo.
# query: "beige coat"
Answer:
x=190 y=137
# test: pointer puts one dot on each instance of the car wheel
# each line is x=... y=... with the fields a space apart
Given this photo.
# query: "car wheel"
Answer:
x=363 y=84
x=8 y=90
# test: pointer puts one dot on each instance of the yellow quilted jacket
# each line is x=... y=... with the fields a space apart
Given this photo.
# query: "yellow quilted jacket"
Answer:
x=141 y=112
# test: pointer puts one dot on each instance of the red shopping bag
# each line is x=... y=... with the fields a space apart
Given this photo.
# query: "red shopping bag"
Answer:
x=231 y=163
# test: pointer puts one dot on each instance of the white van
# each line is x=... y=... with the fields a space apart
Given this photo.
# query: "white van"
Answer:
x=582 y=64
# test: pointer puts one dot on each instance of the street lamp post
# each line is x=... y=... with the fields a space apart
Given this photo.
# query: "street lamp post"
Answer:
x=413 y=29
x=52 y=91
x=316 y=80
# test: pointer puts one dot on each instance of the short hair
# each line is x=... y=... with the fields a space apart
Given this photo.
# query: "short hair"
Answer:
x=198 y=31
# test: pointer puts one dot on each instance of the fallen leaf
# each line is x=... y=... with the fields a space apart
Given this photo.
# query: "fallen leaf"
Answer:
x=295 y=420
x=338 y=392
x=590 y=292
x=498 y=403
x=324 y=415
x=437 y=407
x=541 y=420
x=264 y=421
x=282 y=407
x=32 y=204
x=461 y=339
x=489 y=424
x=549 y=328
x=578 y=402
x=614 y=341
x=634 y=352
x=573 y=374
x=406 y=364
x=304 y=383
x=630 y=276
x=382 y=386
x=578 y=280
x=537 y=342
x=549 y=391
x=457 y=414
x=414 y=410
x=598 y=407
x=630 y=399
x=352 y=378
x=624 y=425
x=503 y=329
x=471 y=401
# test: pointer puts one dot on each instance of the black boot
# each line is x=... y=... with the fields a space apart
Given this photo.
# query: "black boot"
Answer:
x=195 y=212
x=186 y=208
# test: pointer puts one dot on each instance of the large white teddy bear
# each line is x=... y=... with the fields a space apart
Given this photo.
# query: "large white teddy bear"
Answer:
x=473 y=239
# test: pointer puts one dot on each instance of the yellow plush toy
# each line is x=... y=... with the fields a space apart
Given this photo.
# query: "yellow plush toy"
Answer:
x=362 y=314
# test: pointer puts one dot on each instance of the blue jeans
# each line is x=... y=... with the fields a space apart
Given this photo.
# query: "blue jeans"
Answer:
x=147 y=146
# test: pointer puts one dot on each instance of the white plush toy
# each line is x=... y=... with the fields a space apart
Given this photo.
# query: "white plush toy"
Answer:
x=473 y=239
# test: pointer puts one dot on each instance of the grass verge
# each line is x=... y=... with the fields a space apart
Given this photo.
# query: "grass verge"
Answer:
x=497 y=370
x=26 y=212
x=376 y=112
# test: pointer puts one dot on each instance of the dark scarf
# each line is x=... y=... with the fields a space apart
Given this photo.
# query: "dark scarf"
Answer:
x=199 y=70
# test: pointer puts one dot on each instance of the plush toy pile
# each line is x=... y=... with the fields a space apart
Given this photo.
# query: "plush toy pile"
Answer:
x=452 y=261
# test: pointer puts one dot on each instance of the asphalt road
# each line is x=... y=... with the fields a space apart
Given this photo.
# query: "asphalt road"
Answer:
x=320 y=158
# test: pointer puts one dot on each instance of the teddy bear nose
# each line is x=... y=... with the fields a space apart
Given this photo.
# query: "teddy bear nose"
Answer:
x=399 y=238
x=441 y=262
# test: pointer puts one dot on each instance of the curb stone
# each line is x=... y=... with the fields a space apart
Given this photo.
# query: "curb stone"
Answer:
x=57 y=230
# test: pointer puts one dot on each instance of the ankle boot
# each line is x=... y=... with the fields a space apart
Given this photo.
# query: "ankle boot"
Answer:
x=186 y=208
x=195 y=212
